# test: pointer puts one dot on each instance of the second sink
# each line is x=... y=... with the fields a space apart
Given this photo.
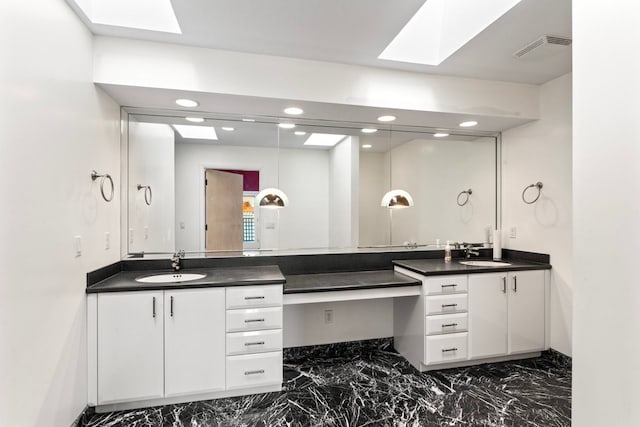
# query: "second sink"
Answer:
x=485 y=263
x=170 y=278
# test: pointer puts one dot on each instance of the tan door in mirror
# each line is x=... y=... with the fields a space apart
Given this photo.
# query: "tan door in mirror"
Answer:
x=223 y=200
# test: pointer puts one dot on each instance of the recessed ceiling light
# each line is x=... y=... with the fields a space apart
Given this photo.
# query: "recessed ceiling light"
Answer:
x=386 y=118
x=369 y=130
x=468 y=124
x=294 y=111
x=248 y=120
x=196 y=132
x=228 y=128
x=286 y=125
x=184 y=102
x=195 y=119
x=324 y=139
x=366 y=145
x=300 y=132
x=440 y=134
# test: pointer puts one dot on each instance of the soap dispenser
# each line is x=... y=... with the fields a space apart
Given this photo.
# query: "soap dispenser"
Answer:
x=447 y=252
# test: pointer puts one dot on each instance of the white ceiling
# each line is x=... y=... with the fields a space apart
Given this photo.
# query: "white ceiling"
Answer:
x=357 y=31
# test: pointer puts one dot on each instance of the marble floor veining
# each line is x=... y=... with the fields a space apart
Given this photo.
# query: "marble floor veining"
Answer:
x=368 y=384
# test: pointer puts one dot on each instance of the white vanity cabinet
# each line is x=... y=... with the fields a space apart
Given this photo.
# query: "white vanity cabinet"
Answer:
x=460 y=320
x=151 y=348
x=130 y=358
x=194 y=341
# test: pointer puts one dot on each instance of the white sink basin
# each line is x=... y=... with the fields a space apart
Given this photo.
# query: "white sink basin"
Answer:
x=485 y=263
x=170 y=278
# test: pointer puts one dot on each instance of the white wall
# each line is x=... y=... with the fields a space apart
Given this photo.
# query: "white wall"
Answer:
x=304 y=177
x=606 y=214
x=160 y=65
x=541 y=151
x=343 y=193
x=151 y=162
x=374 y=183
x=304 y=324
x=56 y=128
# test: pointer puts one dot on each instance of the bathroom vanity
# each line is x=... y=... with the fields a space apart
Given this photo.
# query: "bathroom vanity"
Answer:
x=152 y=343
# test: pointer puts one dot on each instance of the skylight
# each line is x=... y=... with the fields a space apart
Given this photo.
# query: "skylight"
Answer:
x=152 y=15
x=324 y=139
x=196 y=132
x=441 y=27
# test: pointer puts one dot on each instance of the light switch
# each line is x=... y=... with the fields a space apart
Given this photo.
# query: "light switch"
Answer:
x=146 y=233
x=107 y=240
x=513 y=232
x=131 y=236
x=77 y=243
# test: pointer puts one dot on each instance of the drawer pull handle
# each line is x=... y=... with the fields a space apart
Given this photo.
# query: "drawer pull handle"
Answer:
x=154 y=307
x=254 y=343
x=253 y=320
x=515 y=283
x=449 y=305
x=449 y=286
x=259 y=371
x=447 y=350
x=449 y=325
x=504 y=285
x=257 y=297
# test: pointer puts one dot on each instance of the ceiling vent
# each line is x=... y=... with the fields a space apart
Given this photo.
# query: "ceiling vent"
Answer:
x=543 y=47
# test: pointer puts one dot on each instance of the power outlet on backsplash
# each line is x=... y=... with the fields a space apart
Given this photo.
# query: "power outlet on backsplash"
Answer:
x=328 y=316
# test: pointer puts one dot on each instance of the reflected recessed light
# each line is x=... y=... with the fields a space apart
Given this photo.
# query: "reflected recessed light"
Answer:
x=286 y=125
x=468 y=124
x=440 y=135
x=248 y=120
x=195 y=119
x=294 y=111
x=369 y=130
x=366 y=145
x=324 y=139
x=300 y=132
x=386 y=118
x=228 y=128
x=184 y=102
x=196 y=132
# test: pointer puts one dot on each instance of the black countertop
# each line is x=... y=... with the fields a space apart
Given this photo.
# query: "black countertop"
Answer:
x=437 y=267
x=125 y=280
x=324 y=282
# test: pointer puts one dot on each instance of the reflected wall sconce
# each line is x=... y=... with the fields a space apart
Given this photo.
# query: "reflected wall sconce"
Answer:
x=397 y=199
x=105 y=177
x=537 y=185
x=463 y=197
x=147 y=193
x=273 y=198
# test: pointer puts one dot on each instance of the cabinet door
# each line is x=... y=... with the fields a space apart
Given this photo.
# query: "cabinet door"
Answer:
x=526 y=311
x=130 y=346
x=487 y=315
x=194 y=341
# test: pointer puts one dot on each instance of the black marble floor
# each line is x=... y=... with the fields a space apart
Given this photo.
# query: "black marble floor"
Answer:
x=369 y=384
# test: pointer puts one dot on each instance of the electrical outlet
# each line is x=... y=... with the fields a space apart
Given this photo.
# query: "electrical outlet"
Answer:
x=328 y=316
x=77 y=243
x=513 y=232
x=130 y=235
x=107 y=240
x=146 y=232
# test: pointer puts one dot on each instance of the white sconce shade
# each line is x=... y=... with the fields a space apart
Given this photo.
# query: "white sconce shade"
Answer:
x=272 y=198
x=397 y=199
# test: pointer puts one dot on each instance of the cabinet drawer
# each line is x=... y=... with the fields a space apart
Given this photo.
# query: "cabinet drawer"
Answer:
x=254 y=342
x=445 y=348
x=254 y=370
x=445 y=304
x=445 y=324
x=254 y=296
x=253 y=319
x=445 y=285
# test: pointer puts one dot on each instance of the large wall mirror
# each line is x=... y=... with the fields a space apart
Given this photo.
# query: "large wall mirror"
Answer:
x=192 y=182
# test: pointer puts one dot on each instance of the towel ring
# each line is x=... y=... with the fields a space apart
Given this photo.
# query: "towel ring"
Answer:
x=106 y=176
x=537 y=185
x=147 y=193
x=466 y=200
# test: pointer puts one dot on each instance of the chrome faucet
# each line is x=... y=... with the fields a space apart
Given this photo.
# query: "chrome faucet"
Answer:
x=175 y=260
x=469 y=250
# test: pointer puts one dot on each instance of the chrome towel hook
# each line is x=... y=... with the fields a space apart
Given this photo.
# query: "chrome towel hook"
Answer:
x=147 y=193
x=466 y=199
x=537 y=185
x=106 y=176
